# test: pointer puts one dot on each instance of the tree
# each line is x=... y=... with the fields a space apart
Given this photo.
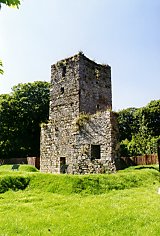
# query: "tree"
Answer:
x=10 y=3
x=139 y=129
x=21 y=114
x=152 y=117
x=127 y=123
x=1 y=65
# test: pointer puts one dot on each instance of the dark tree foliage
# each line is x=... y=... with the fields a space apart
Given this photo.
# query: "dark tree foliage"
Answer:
x=127 y=123
x=139 y=129
x=21 y=114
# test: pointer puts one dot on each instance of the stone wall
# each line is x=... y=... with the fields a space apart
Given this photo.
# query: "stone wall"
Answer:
x=34 y=161
x=74 y=143
x=79 y=85
x=80 y=124
x=64 y=93
x=95 y=86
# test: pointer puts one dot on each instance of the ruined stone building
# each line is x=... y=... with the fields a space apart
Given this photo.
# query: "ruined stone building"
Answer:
x=81 y=134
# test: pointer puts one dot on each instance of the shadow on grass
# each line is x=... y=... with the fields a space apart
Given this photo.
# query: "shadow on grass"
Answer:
x=146 y=167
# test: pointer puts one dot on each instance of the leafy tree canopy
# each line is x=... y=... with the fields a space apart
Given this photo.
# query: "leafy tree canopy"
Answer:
x=11 y=3
x=139 y=129
x=21 y=113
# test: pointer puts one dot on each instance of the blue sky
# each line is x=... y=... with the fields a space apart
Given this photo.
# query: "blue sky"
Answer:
x=122 y=33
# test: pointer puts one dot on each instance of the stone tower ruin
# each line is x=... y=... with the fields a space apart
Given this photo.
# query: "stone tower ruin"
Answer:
x=81 y=134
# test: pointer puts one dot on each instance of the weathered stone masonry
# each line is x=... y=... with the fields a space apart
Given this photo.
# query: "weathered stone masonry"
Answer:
x=81 y=134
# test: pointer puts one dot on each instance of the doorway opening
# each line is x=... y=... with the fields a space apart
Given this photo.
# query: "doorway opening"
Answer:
x=63 y=166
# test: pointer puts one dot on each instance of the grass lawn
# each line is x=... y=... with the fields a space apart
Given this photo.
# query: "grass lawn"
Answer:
x=44 y=208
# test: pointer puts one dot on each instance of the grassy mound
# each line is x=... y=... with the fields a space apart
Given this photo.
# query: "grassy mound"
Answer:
x=93 y=184
x=78 y=207
x=78 y=184
x=23 y=168
x=28 y=168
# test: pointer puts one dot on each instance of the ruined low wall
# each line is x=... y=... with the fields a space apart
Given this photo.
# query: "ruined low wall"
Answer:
x=98 y=166
x=34 y=161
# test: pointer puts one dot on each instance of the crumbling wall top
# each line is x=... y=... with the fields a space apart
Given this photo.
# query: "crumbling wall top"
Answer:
x=78 y=57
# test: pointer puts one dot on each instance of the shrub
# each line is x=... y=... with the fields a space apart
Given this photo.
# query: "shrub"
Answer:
x=13 y=182
x=82 y=120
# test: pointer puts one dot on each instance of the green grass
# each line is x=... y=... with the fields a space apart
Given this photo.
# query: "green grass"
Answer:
x=92 y=184
x=120 y=204
x=77 y=184
x=141 y=167
x=122 y=212
x=23 y=168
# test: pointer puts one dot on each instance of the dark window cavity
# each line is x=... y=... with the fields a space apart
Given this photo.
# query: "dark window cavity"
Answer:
x=62 y=90
x=97 y=106
x=95 y=152
x=63 y=166
x=63 y=71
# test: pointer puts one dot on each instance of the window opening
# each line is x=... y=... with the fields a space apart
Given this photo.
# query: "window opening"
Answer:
x=95 y=152
x=62 y=90
x=63 y=166
x=64 y=71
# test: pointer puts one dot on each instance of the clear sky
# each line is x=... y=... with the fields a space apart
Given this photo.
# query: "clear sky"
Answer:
x=122 y=33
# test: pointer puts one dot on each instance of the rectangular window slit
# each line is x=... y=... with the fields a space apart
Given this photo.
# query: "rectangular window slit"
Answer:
x=63 y=166
x=64 y=71
x=62 y=90
x=95 y=152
